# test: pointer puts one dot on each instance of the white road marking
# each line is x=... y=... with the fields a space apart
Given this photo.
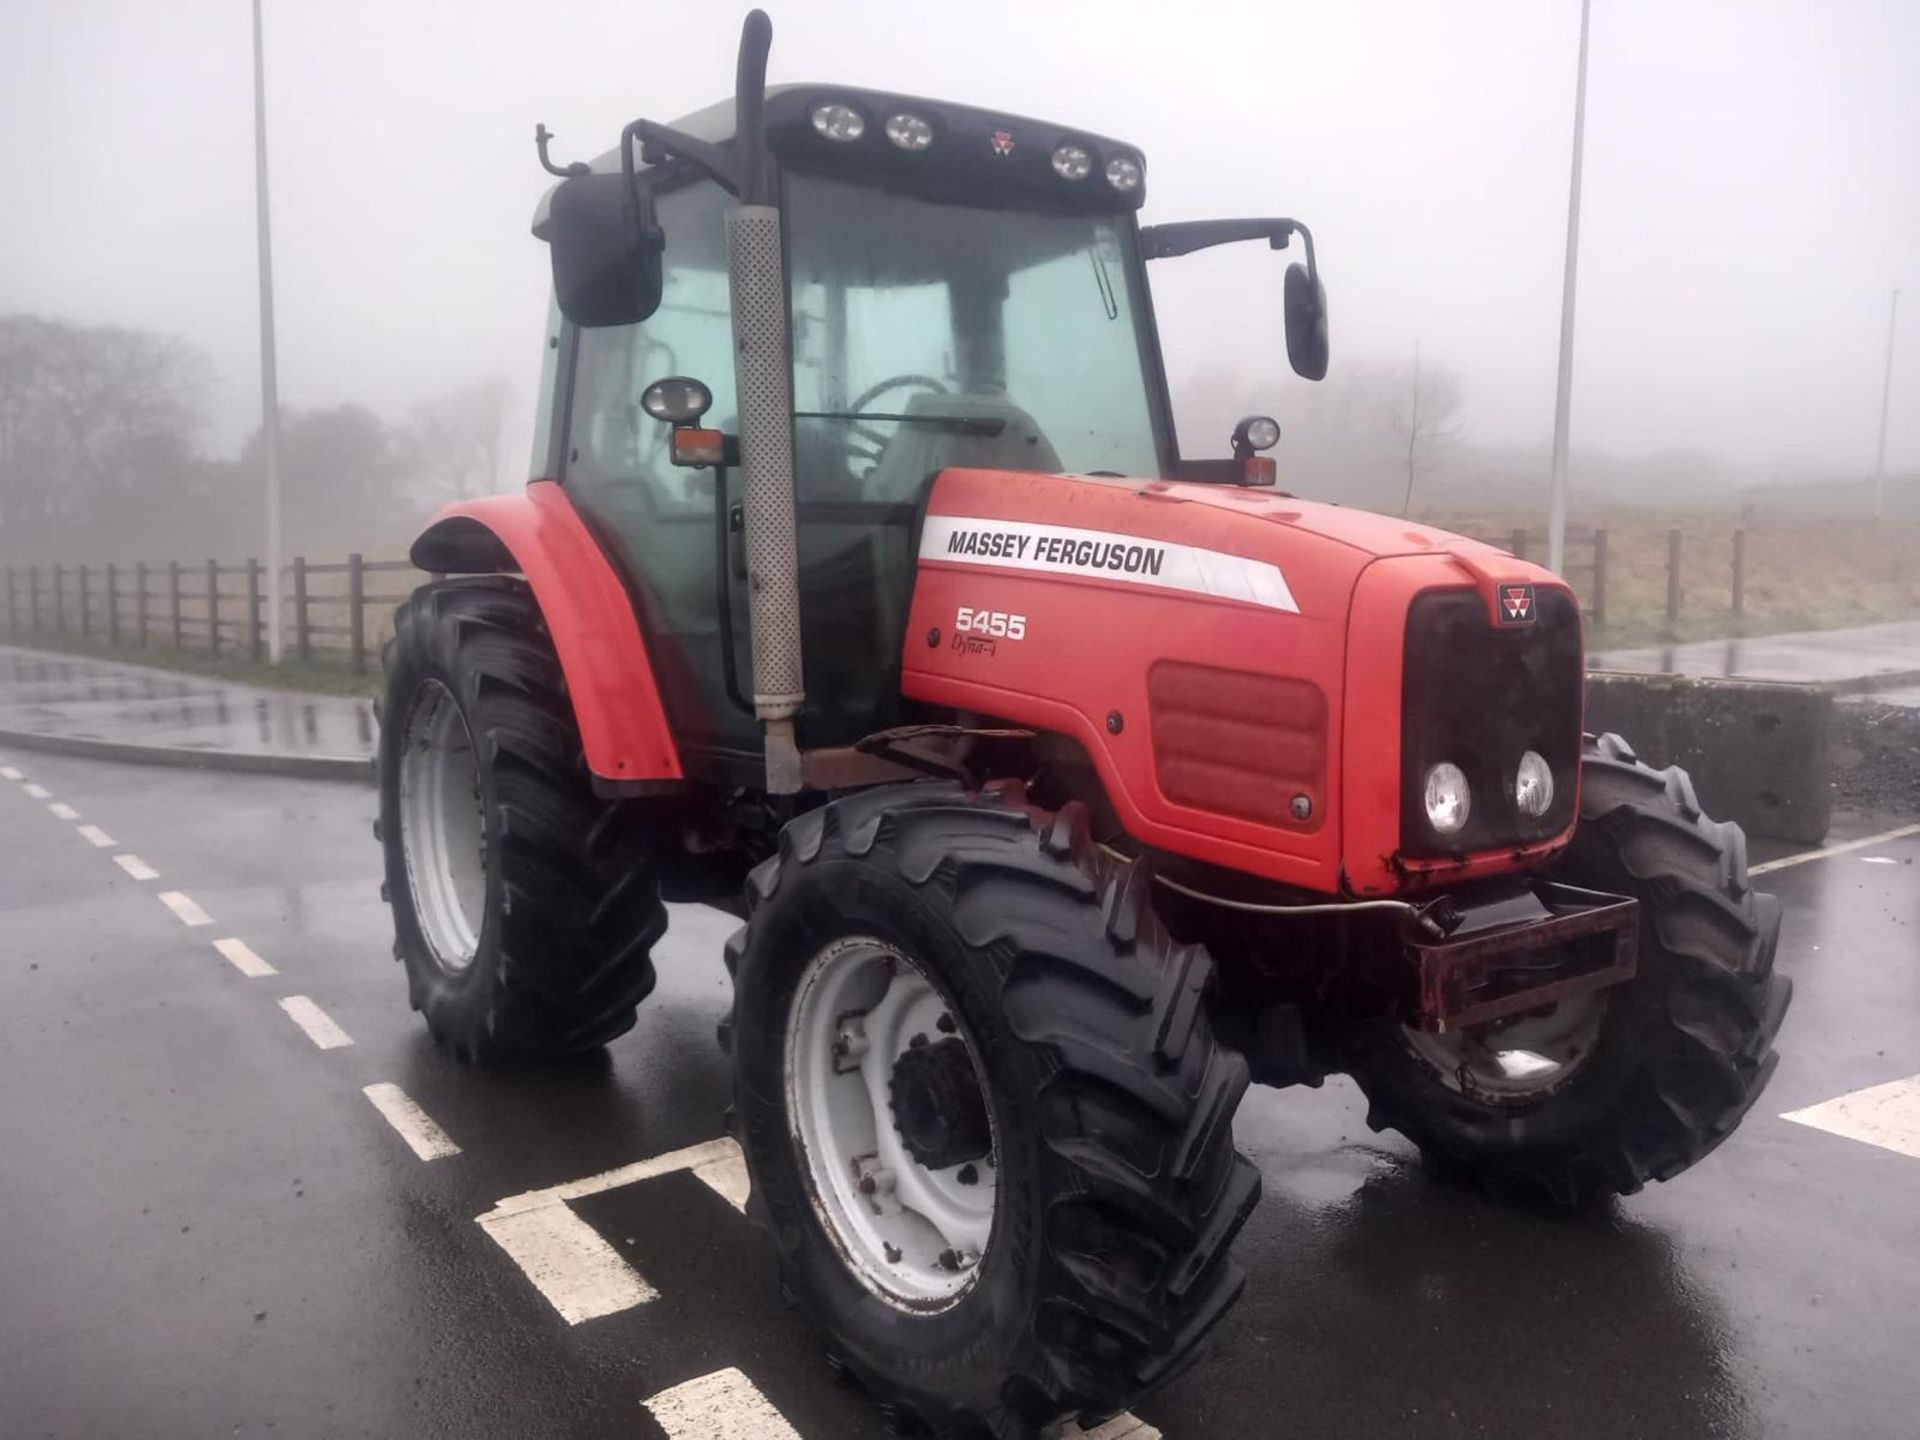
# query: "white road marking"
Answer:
x=1878 y=860
x=725 y=1405
x=319 y=1025
x=140 y=870
x=39 y=792
x=582 y=1276
x=63 y=811
x=1124 y=1426
x=243 y=958
x=97 y=837
x=416 y=1127
x=1884 y=1115
x=1867 y=843
x=10 y=773
x=189 y=913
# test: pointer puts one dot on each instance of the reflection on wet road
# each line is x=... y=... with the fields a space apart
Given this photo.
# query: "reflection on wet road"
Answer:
x=222 y=1219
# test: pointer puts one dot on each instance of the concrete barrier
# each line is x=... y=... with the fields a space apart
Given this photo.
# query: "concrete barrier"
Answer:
x=1757 y=750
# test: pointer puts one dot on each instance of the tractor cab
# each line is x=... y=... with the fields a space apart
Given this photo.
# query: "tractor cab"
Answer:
x=960 y=289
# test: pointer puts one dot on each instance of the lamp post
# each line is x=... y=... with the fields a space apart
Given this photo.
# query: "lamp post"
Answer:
x=269 y=381
x=1886 y=396
x=1563 y=395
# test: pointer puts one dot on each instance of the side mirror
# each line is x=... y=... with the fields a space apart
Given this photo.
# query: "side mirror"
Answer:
x=605 y=249
x=1306 y=323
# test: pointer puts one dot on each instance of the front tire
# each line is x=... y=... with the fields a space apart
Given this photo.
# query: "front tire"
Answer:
x=1108 y=1106
x=1627 y=1085
x=525 y=908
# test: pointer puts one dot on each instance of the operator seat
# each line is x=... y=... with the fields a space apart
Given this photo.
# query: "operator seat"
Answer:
x=917 y=452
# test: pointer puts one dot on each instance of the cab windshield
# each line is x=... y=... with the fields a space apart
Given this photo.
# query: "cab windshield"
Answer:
x=929 y=335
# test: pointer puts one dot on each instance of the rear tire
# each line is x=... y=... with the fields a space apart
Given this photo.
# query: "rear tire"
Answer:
x=1118 y=1187
x=538 y=946
x=1679 y=1053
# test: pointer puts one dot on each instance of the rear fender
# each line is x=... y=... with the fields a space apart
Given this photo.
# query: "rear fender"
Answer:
x=616 y=700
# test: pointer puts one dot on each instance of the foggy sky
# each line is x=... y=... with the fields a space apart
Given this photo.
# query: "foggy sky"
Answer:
x=1752 y=185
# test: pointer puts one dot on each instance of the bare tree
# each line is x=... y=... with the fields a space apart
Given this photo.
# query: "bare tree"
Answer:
x=456 y=437
x=1425 y=405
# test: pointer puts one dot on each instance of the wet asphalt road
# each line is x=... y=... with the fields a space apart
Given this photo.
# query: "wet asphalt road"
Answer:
x=208 y=1230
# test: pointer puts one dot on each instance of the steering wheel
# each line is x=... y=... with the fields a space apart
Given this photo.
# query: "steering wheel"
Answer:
x=865 y=443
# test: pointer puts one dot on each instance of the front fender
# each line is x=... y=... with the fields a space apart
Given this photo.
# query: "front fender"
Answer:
x=616 y=700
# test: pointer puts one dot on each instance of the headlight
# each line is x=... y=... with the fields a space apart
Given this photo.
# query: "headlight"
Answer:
x=1123 y=173
x=1447 y=798
x=1533 y=785
x=1070 y=162
x=839 y=122
x=909 y=132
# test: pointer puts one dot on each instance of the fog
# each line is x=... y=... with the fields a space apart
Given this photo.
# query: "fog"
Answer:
x=1752 y=193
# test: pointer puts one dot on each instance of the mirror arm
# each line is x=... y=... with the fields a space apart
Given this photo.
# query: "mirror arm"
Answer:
x=1306 y=235
x=1183 y=237
x=541 y=138
x=662 y=142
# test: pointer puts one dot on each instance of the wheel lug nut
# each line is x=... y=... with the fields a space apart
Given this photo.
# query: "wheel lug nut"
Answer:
x=947 y=1025
x=892 y=1252
x=919 y=1040
x=876 y=1182
x=968 y=1175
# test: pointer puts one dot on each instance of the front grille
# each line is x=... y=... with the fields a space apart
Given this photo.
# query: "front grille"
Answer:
x=1480 y=696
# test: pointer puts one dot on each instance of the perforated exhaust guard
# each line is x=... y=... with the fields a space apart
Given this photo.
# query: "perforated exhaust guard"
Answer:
x=764 y=382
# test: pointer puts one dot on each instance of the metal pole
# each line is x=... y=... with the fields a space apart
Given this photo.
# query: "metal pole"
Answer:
x=1886 y=395
x=269 y=381
x=1563 y=395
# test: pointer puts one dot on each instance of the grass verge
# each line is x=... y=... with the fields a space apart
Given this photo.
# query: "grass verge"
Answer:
x=311 y=677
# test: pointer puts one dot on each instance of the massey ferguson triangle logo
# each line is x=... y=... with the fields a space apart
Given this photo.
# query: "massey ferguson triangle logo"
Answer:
x=1002 y=142
x=1516 y=604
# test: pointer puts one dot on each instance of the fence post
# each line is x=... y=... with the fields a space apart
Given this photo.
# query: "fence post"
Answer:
x=255 y=642
x=1599 y=577
x=1740 y=572
x=113 y=603
x=213 y=606
x=1673 y=575
x=302 y=645
x=140 y=604
x=86 y=608
x=173 y=593
x=12 y=624
x=59 y=602
x=357 y=611
x=33 y=598
x=1519 y=544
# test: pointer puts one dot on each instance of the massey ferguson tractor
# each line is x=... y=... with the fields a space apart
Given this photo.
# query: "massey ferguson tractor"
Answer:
x=1064 y=783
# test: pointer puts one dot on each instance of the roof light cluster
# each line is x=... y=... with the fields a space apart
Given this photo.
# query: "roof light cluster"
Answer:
x=1073 y=161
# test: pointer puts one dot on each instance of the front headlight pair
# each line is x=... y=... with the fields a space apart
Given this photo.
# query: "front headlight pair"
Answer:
x=1449 y=799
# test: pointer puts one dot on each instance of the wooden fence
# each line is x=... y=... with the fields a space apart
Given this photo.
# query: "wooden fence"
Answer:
x=328 y=609
x=1585 y=566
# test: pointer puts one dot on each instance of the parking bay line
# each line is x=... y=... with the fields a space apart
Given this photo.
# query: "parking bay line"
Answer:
x=725 y=1405
x=188 y=912
x=1885 y=1115
x=319 y=1025
x=242 y=957
x=97 y=837
x=415 y=1126
x=38 y=792
x=8 y=772
x=137 y=868
x=1845 y=848
x=580 y=1274
x=63 y=811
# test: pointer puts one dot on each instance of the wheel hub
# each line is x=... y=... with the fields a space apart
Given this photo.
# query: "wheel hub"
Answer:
x=937 y=1105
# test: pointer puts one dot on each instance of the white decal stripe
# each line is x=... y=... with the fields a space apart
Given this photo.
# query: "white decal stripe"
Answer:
x=1161 y=564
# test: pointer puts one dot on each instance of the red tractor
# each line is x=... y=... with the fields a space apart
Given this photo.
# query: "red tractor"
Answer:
x=1064 y=784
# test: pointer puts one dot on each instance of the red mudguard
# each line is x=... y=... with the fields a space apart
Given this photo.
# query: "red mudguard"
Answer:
x=616 y=701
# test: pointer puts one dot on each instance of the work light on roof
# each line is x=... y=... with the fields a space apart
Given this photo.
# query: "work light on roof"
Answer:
x=909 y=131
x=839 y=122
x=1071 y=162
x=1123 y=173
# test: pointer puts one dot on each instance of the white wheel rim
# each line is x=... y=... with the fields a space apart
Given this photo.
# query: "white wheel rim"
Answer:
x=443 y=828
x=1516 y=1060
x=914 y=1236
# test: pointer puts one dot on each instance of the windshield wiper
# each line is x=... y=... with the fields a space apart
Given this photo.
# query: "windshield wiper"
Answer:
x=961 y=424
